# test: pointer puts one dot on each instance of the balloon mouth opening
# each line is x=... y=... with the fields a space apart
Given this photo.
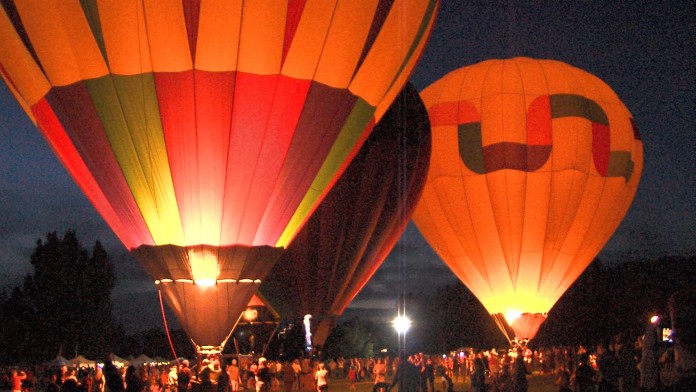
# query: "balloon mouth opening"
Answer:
x=209 y=283
x=519 y=326
x=209 y=349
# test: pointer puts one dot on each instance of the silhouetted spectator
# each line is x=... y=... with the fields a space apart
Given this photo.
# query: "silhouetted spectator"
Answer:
x=407 y=376
x=520 y=372
x=584 y=375
x=608 y=367
x=649 y=372
x=134 y=383
x=478 y=375
x=114 y=382
x=683 y=315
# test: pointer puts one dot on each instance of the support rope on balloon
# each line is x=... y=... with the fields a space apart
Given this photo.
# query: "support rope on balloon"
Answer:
x=166 y=327
x=268 y=343
x=502 y=325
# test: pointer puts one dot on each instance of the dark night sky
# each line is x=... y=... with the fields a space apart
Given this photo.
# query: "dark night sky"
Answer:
x=645 y=50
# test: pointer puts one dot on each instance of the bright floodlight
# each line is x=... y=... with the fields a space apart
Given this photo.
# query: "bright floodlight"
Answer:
x=654 y=319
x=401 y=324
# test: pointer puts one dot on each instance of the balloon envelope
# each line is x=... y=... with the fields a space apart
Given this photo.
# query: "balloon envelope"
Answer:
x=205 y=133
x=356 y=226
x=534 y=165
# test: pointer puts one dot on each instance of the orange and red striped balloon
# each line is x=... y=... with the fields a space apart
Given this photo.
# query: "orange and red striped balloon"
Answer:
x=206 y=132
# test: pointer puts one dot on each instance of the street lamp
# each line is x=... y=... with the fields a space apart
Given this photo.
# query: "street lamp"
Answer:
x=401 y=324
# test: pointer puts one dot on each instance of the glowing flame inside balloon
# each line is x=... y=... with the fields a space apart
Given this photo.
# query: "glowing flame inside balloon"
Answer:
x=512 y=315
x=204 y=267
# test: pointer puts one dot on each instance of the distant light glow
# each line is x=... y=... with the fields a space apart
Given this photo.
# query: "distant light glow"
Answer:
x=401 y=324
x=667 y=335
x=655 y=319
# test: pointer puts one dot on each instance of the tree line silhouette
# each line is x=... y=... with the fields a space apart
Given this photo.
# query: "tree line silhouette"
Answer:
x=64 y=307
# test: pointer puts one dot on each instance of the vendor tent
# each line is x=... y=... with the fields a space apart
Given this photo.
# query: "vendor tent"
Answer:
x=141 y=360
x=58 y=361
x=118 y=361
x=82 y=362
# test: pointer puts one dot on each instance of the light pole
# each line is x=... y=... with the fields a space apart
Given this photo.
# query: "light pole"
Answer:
x=401 y=325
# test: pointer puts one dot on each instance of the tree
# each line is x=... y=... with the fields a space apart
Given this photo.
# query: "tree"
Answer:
x=64 y=306
x=16 y=337
x=359 y=337
x=454 y=318
x=604 y=302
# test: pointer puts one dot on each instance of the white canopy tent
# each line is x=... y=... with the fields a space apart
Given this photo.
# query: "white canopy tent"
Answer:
x=141 y=360
x=82 y=362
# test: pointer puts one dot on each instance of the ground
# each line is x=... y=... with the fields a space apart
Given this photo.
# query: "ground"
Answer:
x=537 y=383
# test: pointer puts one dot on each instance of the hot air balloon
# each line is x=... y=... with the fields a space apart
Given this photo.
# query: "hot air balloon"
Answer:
x=206 y=132
x=534 y=165
x=358 y=223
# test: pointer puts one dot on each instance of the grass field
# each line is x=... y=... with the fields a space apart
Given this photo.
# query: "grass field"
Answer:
x=537 y=383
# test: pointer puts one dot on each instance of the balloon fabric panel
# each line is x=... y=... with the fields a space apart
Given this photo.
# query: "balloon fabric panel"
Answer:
x=125 y=48
x=67 y=51
x=395 y=45
x=350 y=36
x=217 y=39
x=129 y=110
x=28 y=83
x=127 y=222
x=334 y=119
x=99 y=155
x=167 y=38
x=301 y=59
x=348 y=136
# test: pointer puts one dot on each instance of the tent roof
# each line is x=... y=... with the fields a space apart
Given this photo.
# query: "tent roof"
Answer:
x=59 y=360
x=115 y=358
x=141 y=359
x=81 y=359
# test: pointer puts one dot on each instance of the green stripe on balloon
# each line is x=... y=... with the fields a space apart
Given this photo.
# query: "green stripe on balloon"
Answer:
x=526 y=157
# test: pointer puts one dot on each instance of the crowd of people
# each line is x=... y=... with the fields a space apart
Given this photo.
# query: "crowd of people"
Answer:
x=614 y=366
x=644 y=364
